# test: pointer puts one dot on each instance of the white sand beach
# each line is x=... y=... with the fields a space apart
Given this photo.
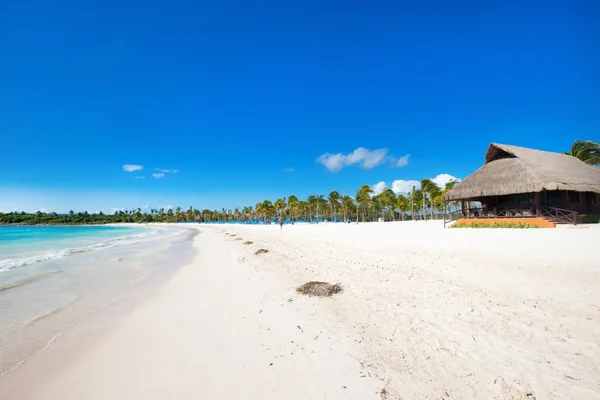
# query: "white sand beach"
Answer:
x=426 y=313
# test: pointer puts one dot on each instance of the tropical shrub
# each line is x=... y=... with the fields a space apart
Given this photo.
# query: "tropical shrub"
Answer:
x=495 y=225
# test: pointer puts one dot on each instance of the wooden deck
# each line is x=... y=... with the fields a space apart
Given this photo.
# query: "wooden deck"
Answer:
x=552 y=214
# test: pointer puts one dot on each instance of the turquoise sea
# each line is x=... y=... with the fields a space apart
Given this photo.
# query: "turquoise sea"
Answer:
x=53 y=278
x=25 y=245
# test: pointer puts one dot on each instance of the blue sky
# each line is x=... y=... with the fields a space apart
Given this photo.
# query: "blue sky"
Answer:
x=244 y=99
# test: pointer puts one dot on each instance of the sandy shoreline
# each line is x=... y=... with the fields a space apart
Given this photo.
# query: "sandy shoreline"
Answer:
x=426 y=313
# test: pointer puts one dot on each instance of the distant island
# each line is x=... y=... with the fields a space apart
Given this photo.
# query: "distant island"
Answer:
x=85 y=218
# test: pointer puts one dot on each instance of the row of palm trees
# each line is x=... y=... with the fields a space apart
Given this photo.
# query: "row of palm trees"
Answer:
x=425 y=202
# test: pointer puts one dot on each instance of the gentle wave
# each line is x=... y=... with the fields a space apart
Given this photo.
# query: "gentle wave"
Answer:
x=9 y=264
x=28 y=279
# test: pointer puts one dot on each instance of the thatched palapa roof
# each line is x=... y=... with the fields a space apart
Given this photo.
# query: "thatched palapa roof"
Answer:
x=512 y=169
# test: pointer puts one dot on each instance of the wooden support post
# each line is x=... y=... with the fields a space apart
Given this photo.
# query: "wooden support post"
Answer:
x=536 y=201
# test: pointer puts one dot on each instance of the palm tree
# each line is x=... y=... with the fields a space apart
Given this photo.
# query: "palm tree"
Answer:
x=312 y=202
x=433 y=190
x=259 y=210
x=334 y=201
x=449 y=186
x=280 y=206
x=412 y=203
x=267 y=208
x=402 y=204
x=347 y=202
x=363 y=197
x=319 y=201
x=585 y=150
x=416 y=202
x=388 y=200
x=376 y=205
x=293 y=206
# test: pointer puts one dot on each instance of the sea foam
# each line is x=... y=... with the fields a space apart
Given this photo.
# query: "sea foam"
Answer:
x=10 y=264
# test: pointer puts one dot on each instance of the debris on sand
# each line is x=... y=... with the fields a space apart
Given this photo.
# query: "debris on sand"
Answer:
x=248 y=242
x=261 y=251
x=383 y=394
x=321 y=289
x=239 y=239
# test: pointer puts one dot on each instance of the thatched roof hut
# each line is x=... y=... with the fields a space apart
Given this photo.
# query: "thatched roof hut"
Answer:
x=512 y=170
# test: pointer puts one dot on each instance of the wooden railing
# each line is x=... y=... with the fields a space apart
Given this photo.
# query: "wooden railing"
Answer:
x=554 y=214
x=559 y=215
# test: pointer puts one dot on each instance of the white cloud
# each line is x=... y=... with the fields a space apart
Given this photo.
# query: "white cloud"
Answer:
x=402 y=186
x=401 y=162
x=146 y=206
x=405 y=186
x=158 y=176
x=175 y=171
x=168 y=171
x=379 y=187
x=140 y=177
x=132 y=167
x=333 y=162
x=442 y=179
x=288 y=170
x=366 y=158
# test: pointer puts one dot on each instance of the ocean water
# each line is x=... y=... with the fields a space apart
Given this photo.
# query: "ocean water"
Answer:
x=52 y=277
x=24 y=245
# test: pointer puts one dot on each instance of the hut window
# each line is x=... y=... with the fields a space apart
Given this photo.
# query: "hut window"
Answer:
x=594 y=197
x=574 y=197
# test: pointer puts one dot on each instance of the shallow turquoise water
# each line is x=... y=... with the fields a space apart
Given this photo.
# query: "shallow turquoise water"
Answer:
x=52 y=277
x=24 y=245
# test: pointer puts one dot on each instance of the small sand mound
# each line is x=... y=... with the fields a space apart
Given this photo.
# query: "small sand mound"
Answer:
x=261 y=251
x=321 y=289
x=239 y=239
x=248 y=242
x=233 y=234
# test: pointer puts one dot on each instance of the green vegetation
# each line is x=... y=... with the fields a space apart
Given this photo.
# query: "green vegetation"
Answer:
x=419 y=204
x=586 y=150
x=508 y=225
x=591 y=219
x=85 y=218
